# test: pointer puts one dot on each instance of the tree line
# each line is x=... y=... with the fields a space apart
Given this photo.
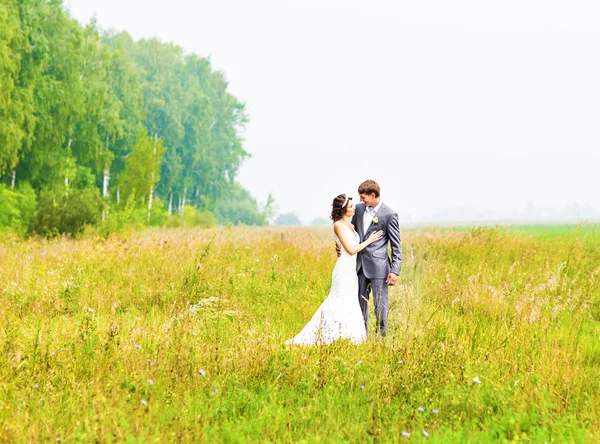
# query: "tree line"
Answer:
x=99 y=129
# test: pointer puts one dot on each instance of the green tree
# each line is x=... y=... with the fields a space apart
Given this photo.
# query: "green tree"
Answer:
x=142 y=169
x=287 y=219
x=237 y=206
x=16 y=94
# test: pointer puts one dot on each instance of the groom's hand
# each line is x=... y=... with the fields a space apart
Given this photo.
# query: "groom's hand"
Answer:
x=338 y=250
x=391 y=279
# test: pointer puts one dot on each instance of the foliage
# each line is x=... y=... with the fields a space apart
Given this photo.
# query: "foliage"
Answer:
x=68 y=211
x=287 y=219
x=139 y=115
x=237 y=206
x=142 y=168
x=178 y=335
x=17 y=208
x=192 y=218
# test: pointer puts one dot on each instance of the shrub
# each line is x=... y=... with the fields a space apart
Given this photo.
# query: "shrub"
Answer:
x=17 y=207
x=61 y=212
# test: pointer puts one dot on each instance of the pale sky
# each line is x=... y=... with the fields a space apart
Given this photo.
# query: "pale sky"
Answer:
x=490 y=104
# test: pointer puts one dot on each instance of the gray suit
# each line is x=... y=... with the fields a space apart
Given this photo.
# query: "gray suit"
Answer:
x=373 y=264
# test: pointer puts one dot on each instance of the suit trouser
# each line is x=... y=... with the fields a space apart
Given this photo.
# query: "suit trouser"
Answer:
x=379 y=287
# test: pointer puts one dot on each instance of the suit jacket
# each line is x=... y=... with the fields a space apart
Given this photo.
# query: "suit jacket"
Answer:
x=375 y=260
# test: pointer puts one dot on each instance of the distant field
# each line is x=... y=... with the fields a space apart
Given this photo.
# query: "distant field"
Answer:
x=587 y=230
x=177 y=336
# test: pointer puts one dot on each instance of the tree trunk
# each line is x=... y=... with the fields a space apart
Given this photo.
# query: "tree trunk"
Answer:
x=150 y=201
x=152 y=186
x=69 y=149
x=105 y=183
x=106 y=174
x=118 y=197
x=182 y=207
x=170 y=203
x=13 y=179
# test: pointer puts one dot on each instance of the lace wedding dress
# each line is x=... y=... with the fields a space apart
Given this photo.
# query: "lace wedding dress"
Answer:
x=339 y=316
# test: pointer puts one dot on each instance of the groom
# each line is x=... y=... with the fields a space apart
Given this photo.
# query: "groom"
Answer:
x=376 y=270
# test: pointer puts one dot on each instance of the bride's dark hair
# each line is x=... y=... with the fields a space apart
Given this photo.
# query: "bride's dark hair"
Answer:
x=340 y=205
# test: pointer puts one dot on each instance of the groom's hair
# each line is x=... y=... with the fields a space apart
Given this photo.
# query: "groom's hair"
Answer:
x=369 y=187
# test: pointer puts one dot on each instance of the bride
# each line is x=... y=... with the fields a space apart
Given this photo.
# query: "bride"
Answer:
x=340 y=316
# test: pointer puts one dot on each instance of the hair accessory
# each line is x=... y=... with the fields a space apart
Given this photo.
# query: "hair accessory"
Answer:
x=346 y=201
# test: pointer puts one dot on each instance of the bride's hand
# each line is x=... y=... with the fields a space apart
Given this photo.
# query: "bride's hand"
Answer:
x=375 y=236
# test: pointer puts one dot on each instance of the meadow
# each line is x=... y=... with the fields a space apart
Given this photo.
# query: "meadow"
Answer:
x=177 y=336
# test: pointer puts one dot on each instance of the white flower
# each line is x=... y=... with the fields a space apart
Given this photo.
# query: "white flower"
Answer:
x=202 y=372
x=421 y=409
x=137 y=346
x=476 y=380
x=436 y=411
x=362 y=387
x=425 y=433
x=150 y=381
x=144 y=402
x=406 y=434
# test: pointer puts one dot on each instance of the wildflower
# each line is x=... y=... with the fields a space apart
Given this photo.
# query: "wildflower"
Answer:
x=57 y=439
x=359 y=362
x=400 y=362
x=213 y=393
x=137 y=346
x=425 y=433
x=144 y=402
x=436 y=411
x=406 y=434
x=476 y=380
x=150 y=381
x=35 y=386
x=202 y=372
x=362 y=387
x=421 y=409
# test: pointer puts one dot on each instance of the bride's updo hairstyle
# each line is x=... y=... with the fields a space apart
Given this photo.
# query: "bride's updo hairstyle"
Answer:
x=340 y=205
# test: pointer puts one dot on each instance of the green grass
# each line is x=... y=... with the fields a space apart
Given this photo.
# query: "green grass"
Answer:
x=85 y=325
x=585 y=230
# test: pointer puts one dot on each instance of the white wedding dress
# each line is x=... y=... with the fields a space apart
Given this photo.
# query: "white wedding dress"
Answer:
x=339 y=316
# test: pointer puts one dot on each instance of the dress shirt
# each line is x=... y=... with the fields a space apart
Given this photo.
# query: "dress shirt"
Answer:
x=369 y=215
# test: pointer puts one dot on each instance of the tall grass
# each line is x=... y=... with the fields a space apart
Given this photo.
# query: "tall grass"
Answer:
x=178 y=336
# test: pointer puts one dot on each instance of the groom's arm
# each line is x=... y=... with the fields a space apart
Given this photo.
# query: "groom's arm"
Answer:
x=393 y=233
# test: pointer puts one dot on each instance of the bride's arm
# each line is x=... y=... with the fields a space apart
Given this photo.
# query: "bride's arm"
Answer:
x=344 y=237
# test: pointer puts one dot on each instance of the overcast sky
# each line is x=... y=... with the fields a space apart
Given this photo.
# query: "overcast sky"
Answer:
x=492 y=103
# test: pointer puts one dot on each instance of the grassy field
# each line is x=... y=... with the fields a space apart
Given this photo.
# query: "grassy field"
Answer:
x=177 y=336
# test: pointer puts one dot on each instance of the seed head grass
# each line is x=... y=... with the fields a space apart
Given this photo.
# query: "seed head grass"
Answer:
x=179 y=335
